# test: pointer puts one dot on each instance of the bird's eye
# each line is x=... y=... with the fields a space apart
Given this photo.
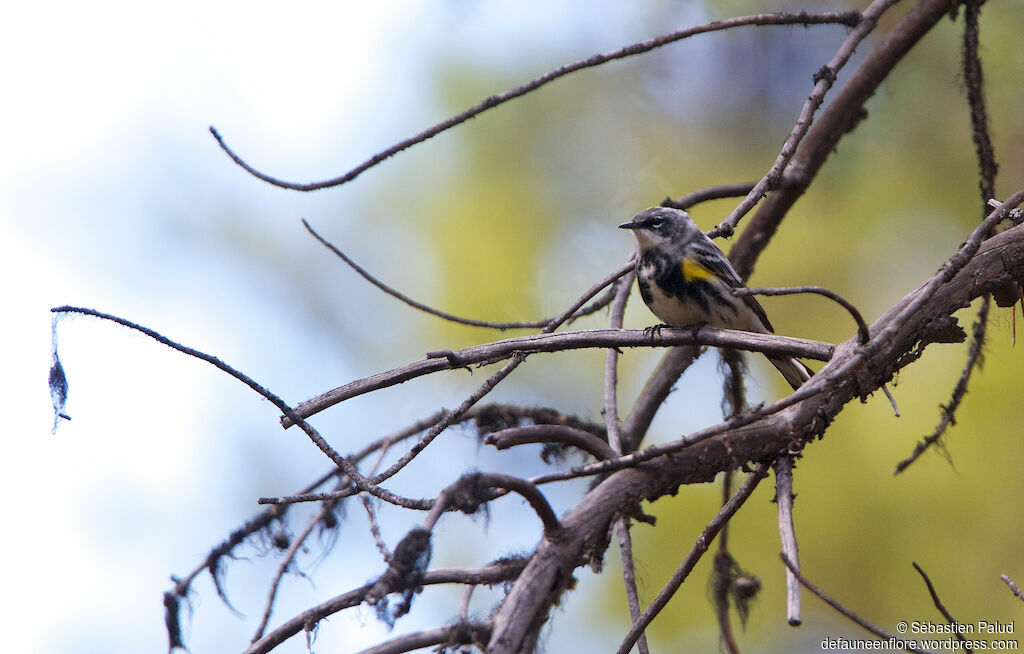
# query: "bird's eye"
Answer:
x=656 y=223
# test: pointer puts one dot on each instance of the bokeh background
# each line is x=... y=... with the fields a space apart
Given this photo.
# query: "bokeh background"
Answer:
x=114 y=196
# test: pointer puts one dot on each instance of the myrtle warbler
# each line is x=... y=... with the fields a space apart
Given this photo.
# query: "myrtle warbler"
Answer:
x=686 y=280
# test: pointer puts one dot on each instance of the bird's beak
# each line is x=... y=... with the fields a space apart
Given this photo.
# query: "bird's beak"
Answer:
x=628 y=226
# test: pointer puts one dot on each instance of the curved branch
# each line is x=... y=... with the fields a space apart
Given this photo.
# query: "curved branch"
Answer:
x=462 y=633
x=467 y=494
x=583 y=440
x=862 y=327
x=802 y=18
x=526 y=345
x=710 y=193
x=402 y=297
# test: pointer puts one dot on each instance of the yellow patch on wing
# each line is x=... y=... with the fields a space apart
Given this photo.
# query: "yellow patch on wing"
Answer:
x=693 y=271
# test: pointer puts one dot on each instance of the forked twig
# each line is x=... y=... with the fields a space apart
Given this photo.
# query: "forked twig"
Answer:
x=862 y=327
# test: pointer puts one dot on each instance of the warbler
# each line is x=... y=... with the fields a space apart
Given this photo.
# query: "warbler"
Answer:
x=686 y=280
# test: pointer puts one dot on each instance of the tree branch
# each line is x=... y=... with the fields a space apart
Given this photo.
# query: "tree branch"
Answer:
x=525 y=345
x=941 y=607
x=801 y=18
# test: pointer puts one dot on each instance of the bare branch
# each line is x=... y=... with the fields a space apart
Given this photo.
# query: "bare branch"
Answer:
x=974 y=83
x=787 y=533
x=462 y=633
x=1013 y=587
x=862 y=327
x=699 y=548
x=801 y=18
x=710 y=193
x=522 y=346
x=584 y=440
x=395 y=293
x=878 y=631
x=941 y=607
x=371 y=517
x=469 y=492
x=286 y=562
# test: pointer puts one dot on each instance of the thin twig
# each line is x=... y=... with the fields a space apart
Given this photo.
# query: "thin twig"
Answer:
x=451 y=418
x=975 y=86
x=862 y=327
x=734 y=402
x=802 y=18
x=1013 y=587
x=974 y=358
x=709 y=193
x=629 y=578
x=371 y=517
x=722 y=575
x=395 y=293
x=941 y=607
x=699 y=548
x=878 y=631
x=892 y=400
x=286 y=562
x=787 y=533
x=623 y=287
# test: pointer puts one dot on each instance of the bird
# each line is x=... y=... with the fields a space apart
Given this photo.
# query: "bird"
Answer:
x=687 y=281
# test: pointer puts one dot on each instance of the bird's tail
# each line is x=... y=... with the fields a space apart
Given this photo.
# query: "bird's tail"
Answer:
x=795 y=372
